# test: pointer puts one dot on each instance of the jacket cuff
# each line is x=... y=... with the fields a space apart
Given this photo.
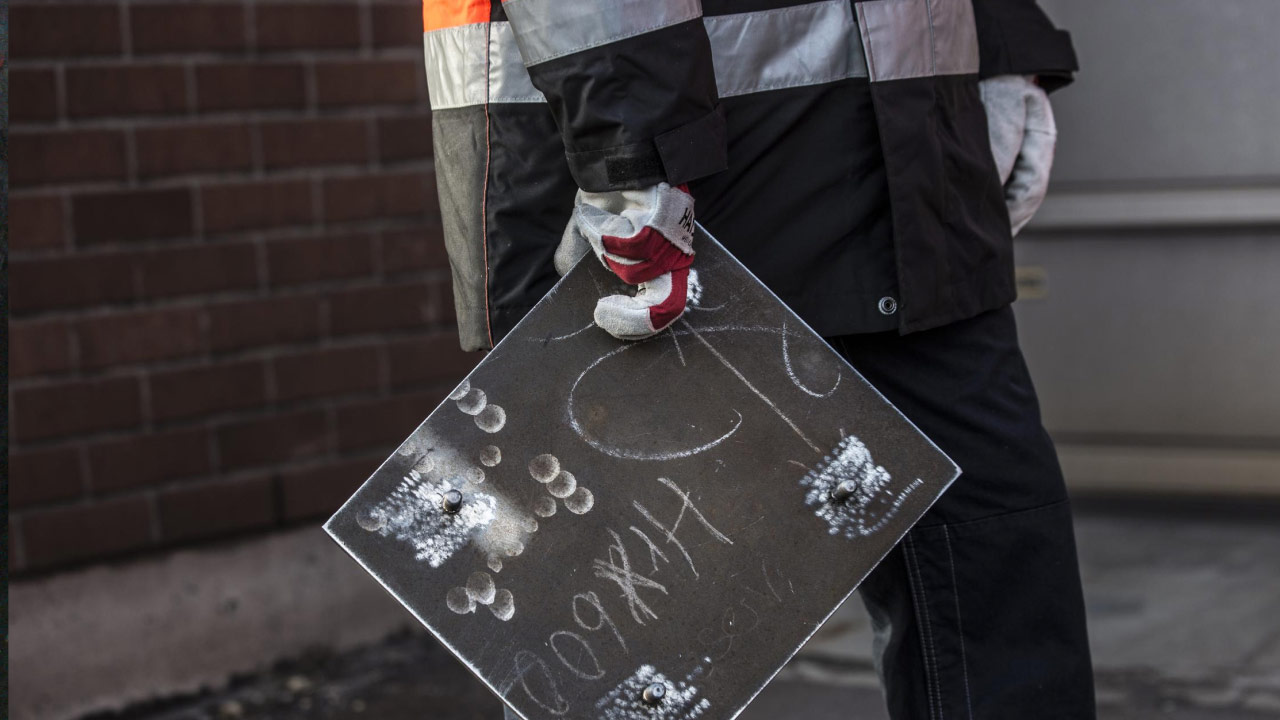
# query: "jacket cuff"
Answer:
x=1015 y=37
x=1051 y=57
x=689 y=152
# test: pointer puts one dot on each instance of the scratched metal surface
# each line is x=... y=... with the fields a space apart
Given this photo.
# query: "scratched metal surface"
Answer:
x=639 y=513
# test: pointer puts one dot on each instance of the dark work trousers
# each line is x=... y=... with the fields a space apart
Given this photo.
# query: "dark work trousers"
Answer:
x=978 y=612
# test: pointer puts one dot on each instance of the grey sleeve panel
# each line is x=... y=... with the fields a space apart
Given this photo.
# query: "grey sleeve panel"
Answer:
x=548 y=29
x=459 y=139
x=474 y=64
x=918 y=38
x=788 y=47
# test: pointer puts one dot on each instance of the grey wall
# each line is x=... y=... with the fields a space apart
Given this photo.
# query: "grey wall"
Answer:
x=1155 y=339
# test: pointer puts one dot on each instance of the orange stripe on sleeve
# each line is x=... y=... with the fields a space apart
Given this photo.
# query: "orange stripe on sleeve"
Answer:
x=438 y=14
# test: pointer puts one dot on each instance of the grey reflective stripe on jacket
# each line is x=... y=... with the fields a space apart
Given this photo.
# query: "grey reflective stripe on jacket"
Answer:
x=788 y=47
x=918 y=38
x=753 y=52
x=554 y=28
x=458 y=58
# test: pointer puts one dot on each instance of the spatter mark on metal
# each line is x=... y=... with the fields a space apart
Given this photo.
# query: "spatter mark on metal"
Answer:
x=872 y=504
x=489 y=416
x=679 y=702
x=561 y=484
x=480 y=590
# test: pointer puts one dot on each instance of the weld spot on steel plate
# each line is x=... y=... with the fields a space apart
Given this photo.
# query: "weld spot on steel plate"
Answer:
x=504 y=605
x=481 y=588
x=460 y=601
x=461 y=391
x=580 y=502
x=544 y=468
x=371 y=520
x=544 y=506
x=491 y=419
x=563 y=485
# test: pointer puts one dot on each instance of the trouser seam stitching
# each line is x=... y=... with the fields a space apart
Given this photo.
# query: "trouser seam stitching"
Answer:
x=955 y=592
x=922 y=610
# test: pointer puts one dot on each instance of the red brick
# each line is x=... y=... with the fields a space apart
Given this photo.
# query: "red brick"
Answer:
x=397 y=24
x=385 y=423
x=41 y=347
x=413 y=250
x=317 y=492
x=33 y=95
x=257 y=323
x=297 y=143
x=382 y=308
x=216 y=509
x=199 y=269
x=131 y=215
x=307 y=26
x=58 y=31
x=405 y=137
x=71 y=408
x=64 y=282
x=44 y=476
x=294 y=436
x=377 y=196
x=139 y=337
x=249 y=86
x=150 y=459
x=186 y=27
x=199 y=391
x=303 y=260
x=64 y=156
x=125 y=90
x=180 y=149
x=86 y=532
x=322 y=373
x=430 y=360
x=252 y=205
x=36 y=222
x=370 y=82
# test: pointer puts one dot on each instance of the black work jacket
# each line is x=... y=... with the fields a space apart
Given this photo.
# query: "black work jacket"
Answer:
x=838 y=148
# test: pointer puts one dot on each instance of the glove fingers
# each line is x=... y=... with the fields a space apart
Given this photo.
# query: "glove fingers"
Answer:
x=571 y=249
x=1040 y=112
x=643 y=257
x=656 y=305
x=1004 y=98
x=1026 y=189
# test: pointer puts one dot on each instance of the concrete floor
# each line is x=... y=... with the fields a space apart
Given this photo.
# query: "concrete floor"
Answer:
x=1184 y=619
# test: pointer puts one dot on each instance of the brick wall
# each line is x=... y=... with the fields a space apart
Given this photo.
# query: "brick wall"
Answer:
x=229 y=296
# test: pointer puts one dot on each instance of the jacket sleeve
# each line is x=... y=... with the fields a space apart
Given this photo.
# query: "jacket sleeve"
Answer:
x=1015 y=37
x=631 y=85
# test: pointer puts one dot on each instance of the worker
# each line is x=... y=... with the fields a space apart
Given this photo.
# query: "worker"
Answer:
x=869 y=162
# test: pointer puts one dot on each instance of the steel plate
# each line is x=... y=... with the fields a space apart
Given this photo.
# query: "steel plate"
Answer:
x=586 y=519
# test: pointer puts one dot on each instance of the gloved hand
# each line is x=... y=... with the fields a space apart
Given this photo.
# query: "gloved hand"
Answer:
x=646 y=238
x=1023 y=135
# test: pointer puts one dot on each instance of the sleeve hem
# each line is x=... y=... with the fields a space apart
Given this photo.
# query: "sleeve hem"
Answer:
x=689 y=152
x=1052 y=56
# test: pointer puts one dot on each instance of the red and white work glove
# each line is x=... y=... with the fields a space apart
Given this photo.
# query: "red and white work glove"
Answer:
x=1023 y=135
x=646 y=238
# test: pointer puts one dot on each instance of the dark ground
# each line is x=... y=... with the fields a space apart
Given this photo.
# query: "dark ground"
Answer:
x=409 y=676
x=1184 y=613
